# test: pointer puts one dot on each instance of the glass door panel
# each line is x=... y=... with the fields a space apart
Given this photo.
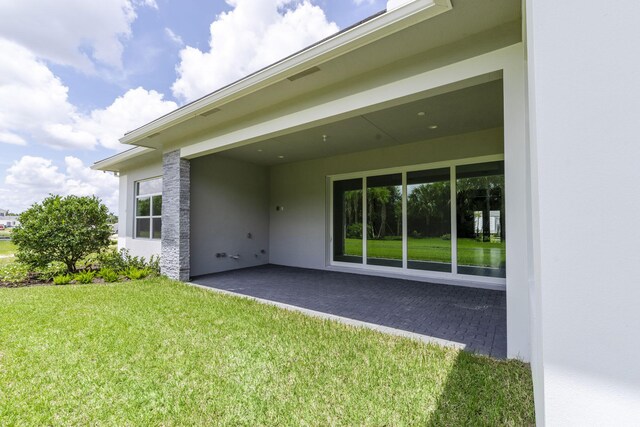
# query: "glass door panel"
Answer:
x=347 y=220
x=384 y=220
x=429 y=220
x=480 y=219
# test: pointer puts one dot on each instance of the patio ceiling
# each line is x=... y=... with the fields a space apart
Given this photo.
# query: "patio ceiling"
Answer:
x=465 y=110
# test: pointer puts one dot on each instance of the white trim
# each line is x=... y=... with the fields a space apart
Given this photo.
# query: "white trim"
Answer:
x=454 y=220
x=113 y=163
x=151 y=216
x=424 y=275
x=405 y=240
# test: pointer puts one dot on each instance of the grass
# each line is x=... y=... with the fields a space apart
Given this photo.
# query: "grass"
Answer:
x=6 y=250
x=470 y=251
x=158 y=352
x=6 y=232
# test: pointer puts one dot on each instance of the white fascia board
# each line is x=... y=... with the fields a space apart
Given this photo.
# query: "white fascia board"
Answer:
x=361 y=35
x=112 y=163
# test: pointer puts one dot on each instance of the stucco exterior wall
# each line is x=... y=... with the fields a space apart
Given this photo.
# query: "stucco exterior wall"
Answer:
x=139 y=247
x=583 y=117
x=229 y=202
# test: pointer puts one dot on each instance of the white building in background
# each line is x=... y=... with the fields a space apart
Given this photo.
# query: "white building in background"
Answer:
x=7 y=220
x=539 y=95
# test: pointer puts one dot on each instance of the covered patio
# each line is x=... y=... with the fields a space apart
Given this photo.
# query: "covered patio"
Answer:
x=475 y=318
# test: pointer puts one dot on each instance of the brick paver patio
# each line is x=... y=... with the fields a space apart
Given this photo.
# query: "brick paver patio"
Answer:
x=474 y=317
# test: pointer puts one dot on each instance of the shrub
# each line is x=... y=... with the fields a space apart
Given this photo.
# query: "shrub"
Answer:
x=14 y=273
x=108 y=275
x=134 y=273
x=62 y=279
x=64 y=229
x=85 y=277
x=154 y=265
x=51 y=270
x=446 y=237
x=120 y=260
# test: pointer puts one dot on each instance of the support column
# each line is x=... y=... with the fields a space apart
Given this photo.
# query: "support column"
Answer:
x=176 y=205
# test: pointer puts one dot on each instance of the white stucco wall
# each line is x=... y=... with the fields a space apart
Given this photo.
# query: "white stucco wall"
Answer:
x=229 y=200
x=584 y=109
x=126 y=210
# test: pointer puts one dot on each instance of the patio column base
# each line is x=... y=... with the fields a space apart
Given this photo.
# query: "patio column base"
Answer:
x=176 y=204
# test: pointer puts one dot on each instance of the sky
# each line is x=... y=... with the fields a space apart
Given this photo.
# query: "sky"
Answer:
x=75 y=75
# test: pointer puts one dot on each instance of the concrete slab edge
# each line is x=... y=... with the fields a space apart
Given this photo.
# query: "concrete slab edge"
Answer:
x=344 y=320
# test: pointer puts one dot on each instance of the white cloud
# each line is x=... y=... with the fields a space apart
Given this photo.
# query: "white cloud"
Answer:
x=359 y=2
x=77 y=33
x=128 y=112
x=173 y=36
x=12 y=138
x=34 y=106
x=31 y=179
x=254 y=34
x=31 y=96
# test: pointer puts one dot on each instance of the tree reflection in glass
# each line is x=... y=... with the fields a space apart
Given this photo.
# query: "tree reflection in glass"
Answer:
x=429 y=220
x=384 y=220
x=480 y=219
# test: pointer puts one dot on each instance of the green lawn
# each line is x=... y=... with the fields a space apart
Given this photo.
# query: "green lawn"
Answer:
x=470 y=251
x=158 y=352
x=6 y=248
x=6 y=232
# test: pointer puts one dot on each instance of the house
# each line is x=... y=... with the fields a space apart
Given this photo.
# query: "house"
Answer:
x=427 y=121
x=8 y=220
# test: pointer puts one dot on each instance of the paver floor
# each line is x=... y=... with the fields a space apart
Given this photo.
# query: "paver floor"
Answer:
x=474 y=317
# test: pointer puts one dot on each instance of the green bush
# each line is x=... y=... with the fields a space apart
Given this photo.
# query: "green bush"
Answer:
x=154 y=265
x=14 y=273
x=62 y=279
x=120 y=260
x=64 y=229
x=446 y=237
x=134 y=273
x=51 y=270
x=85 y=277
x=108 y=275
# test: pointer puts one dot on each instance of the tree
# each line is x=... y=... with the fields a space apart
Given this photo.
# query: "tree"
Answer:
x=63 y=229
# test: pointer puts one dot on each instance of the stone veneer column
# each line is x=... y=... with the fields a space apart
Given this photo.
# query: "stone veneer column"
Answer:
x=176 y=205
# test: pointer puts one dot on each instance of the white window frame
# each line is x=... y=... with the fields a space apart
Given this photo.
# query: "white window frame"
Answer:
x=444 y=277
x=136 y=196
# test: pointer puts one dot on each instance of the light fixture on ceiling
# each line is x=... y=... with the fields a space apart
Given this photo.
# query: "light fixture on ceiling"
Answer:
x=281 y=157
x=421 y=114
x=259 y=150
x=324 y=138
x=433 y=127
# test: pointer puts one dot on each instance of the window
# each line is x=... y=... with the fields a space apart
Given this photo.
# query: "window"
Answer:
x=441 y=219
x=148 y=218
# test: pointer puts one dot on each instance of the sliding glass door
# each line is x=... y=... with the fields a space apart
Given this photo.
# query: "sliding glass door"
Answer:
x=384 y=220
x=480 y=219
x=446 y=220
x=347 y=220
x=429 y=220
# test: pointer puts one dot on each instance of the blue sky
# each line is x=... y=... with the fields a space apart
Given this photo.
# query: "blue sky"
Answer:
x=76 y=74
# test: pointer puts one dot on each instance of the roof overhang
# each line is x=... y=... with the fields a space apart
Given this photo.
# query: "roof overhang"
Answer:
x=340 y=44
x=376 y=45
x=127 y=158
